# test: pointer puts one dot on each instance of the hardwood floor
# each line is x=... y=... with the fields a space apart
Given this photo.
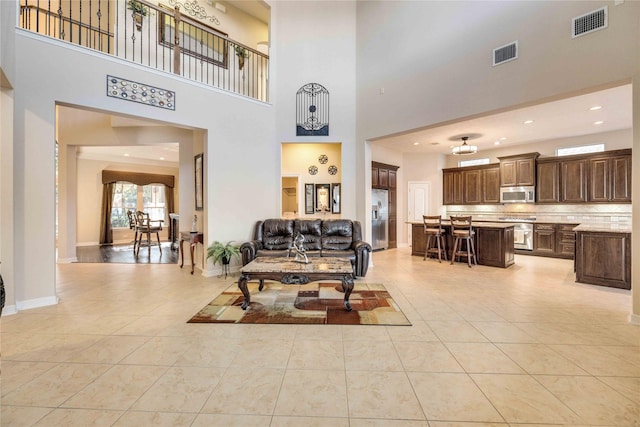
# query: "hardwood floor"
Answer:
x=123 y=254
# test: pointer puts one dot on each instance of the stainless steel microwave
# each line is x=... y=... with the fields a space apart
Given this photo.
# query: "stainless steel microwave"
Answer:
x=517 y=195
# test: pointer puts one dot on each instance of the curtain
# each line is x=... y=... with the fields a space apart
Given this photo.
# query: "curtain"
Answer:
x=106 y=234
x=168 y=199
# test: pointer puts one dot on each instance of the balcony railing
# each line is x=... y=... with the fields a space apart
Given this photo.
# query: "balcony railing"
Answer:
x=161 y=37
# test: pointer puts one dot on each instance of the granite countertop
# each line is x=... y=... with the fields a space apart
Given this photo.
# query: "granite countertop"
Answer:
x=479 y=224
x=607 y=227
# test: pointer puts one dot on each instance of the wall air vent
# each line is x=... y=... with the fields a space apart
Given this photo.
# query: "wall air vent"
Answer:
x=505 y=53
x=589 y=22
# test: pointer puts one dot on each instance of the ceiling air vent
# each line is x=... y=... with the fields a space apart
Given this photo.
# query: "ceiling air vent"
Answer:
x=505 y=53
x=589 y=22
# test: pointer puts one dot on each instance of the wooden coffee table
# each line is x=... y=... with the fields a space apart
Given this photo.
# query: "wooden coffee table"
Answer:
x=285 y=270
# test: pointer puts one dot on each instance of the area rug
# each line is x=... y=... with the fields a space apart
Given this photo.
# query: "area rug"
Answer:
x=313 y=303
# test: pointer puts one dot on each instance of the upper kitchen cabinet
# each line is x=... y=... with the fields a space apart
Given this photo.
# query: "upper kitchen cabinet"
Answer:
x=586 y=178
x=610 y=178
x=518 y=170
x=548 y=181
x=472 y=185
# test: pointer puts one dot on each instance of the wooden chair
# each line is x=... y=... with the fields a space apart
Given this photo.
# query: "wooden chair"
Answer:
x=145 y=226
x=462 y=231
x=131 y=215
x=435 y=234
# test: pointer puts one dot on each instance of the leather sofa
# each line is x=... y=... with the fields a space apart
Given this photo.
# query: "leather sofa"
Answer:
x=322 y=238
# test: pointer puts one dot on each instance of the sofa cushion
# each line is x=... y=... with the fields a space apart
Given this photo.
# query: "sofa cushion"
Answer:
x=337 y=234
x=277 y=234
x=311 y=229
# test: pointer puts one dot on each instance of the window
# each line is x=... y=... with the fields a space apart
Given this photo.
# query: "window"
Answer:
x=474 y=162
x=146 y=198
x=581 y=149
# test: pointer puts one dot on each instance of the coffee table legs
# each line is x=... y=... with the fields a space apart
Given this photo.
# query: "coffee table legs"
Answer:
x=347 y=287
x=242 y=284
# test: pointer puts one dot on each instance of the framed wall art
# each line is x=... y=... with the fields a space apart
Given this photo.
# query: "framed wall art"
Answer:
x=335 y=198
x=309 y=202
x=199 y=177
x=323 y=197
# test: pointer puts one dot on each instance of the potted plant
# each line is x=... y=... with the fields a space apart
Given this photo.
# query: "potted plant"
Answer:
x=241 y=53
x=222 y=253
x=139 y=11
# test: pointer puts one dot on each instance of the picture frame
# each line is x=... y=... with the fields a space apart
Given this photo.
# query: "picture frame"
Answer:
x=323 y=198
x=309 y=201
x=335 y=198
x=199 y=181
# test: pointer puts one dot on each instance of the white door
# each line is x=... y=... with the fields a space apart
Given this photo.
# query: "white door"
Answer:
x=419 y=195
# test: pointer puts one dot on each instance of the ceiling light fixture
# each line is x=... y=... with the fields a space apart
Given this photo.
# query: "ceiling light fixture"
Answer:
x=595 y=107
x=416 y=143
x=464 y=148
x=599 y=122
x=528 y=122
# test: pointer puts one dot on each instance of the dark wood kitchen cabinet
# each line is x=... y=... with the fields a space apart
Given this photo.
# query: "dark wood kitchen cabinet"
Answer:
x=603 y=258
x=610 y=179
x=548 y=181
x=385 y=177
x=452 y=187
x=518 y=170
x=471 y=185
x=573 y=181
x=565 y=240
x=544 y=239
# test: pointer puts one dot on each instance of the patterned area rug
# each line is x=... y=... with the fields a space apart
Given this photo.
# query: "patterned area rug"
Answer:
x=314 y=303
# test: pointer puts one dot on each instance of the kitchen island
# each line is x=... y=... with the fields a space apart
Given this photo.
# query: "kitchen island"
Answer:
x=493 y=242
x=603 y=254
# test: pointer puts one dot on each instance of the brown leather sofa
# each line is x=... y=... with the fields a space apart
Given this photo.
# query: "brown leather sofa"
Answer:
x=322 y=238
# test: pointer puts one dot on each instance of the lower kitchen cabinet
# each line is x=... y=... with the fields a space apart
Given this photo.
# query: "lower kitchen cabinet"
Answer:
x=554 y=240
x=603 y=258
x=493 y=243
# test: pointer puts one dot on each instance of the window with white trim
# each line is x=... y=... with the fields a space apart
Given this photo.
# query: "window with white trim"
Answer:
x=580 y=149
x=474 y=162
x=146 y=198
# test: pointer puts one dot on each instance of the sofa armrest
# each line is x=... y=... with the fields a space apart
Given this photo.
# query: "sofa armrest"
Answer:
x=249 y=250
x=362 y=250
x=361 y=246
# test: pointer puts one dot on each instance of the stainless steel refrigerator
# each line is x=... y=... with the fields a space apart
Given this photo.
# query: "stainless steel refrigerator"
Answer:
x=380 y=219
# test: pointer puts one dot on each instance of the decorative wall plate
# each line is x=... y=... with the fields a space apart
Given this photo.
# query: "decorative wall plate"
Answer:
x=313 y=169
x=140 y=92
x=333 y=170
x=323 y=159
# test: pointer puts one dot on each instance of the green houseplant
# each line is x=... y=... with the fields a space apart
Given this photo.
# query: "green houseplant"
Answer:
x=139 y=11
x=241 y=53
x=221 y=253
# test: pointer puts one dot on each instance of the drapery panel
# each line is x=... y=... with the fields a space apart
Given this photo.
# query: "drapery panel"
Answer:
x=106 y=233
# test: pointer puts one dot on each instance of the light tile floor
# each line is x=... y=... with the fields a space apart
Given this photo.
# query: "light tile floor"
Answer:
x=488 y=347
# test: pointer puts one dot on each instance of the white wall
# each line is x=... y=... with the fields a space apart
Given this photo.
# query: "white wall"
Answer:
x=314 y=42
x=76 y=77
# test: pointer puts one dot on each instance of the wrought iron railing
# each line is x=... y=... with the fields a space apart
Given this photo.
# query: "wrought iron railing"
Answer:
x=161 y=37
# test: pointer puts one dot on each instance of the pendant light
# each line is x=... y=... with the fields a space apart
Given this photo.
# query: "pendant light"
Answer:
x=464 y=148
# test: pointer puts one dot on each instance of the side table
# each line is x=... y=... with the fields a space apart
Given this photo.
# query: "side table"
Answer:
x=193 y=239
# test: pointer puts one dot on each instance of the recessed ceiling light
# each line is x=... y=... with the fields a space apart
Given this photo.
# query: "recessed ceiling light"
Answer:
x=496 y=143
x=126 y=154
x=503 y=138
x=528 y=122
x=161 y=158
x=595 y=107
x=416 y=143
x=599 y=122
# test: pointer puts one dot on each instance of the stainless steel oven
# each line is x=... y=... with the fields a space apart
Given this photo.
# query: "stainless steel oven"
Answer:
x=522 y=232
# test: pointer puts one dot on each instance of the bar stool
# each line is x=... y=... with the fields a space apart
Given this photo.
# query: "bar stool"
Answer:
x=433 y=231
x=462 y=230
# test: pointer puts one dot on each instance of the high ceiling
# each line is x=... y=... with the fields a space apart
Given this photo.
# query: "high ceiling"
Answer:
x=553 y=120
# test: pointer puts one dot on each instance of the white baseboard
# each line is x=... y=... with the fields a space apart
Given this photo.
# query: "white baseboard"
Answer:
x=8 y=310
x=35 y=303
x=634 y=319
x=87 y=244
x=67 y=260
